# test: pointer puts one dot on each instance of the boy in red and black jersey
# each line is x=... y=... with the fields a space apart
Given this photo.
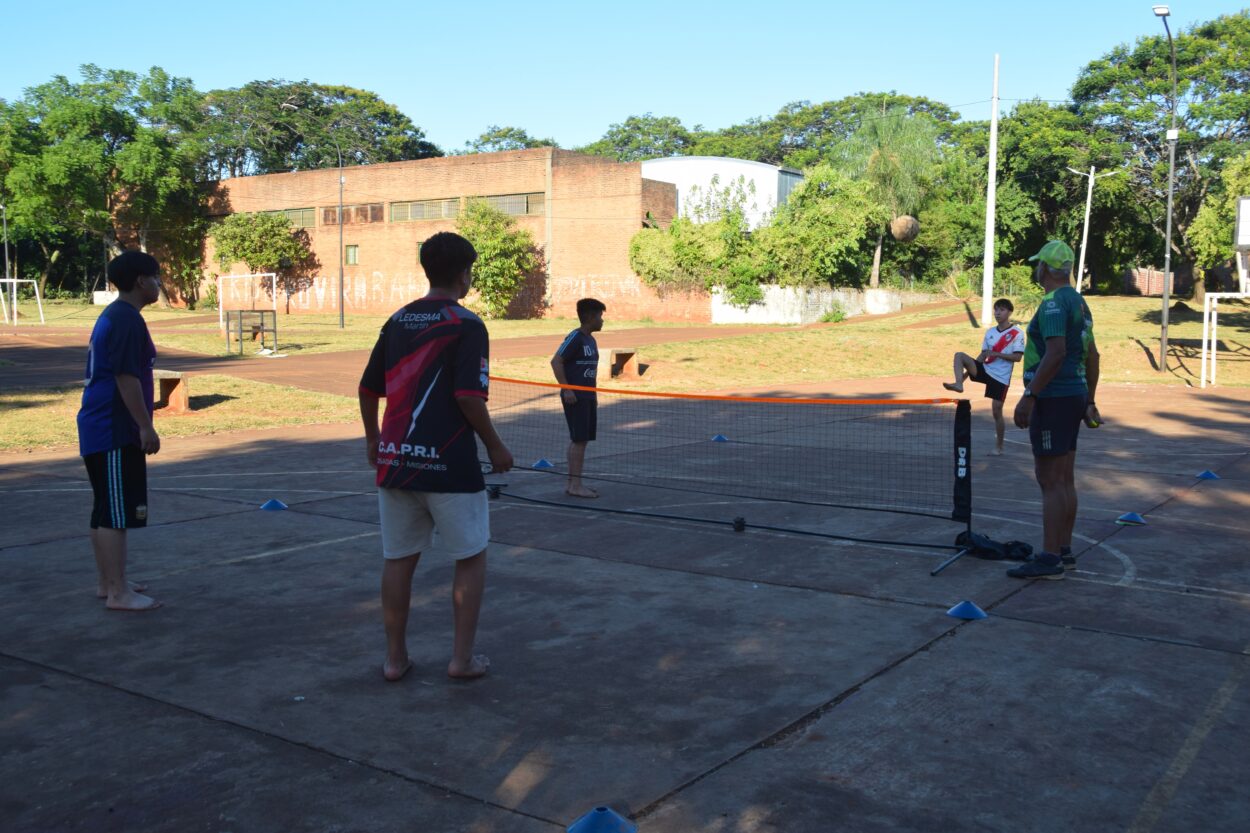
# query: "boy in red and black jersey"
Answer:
x=432 y=363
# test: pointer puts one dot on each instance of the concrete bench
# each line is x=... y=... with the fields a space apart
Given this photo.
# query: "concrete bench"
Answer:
x=624 y=363
x=174 y=390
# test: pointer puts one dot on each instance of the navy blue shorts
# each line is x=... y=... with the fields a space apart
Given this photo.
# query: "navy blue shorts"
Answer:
x=1055 y=423
x=994 y=389
x=119 y=482
x=583 y=419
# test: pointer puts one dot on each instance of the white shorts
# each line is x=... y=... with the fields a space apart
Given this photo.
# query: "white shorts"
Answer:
x=411 y=520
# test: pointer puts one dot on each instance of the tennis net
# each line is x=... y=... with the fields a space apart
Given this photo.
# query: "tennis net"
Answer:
x=904 y=456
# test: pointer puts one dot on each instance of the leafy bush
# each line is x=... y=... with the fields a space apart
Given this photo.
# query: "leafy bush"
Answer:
x=506 y=255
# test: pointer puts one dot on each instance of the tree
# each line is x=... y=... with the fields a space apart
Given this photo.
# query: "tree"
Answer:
x=803 y=134
x=1127 y=92
x=496 y=138
x=819 y=236
x=896 y=154
x=266 y=243
x=1212 y=231
x=275 y=126
x=644 y=137
x=506 y=255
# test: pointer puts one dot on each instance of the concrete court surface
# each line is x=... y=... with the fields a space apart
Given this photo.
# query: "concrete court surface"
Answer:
x=694 y=678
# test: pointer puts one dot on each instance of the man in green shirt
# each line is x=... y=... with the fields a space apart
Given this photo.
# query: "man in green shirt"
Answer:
x=1060 y=377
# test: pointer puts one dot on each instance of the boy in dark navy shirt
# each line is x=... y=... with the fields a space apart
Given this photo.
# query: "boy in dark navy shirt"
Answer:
x=432 y=363
x=576 y=363
x=115 y=428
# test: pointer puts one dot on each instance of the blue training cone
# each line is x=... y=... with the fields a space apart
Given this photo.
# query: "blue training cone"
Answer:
x=602 y=820
x=1208 y=475
x=967 y=610
x=1131 y=519
x=543 y=463
x=273 y=505
x=720 y=438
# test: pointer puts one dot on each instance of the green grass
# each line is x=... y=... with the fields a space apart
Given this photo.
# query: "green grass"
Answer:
x=46 y=418
x=1127 y=332
x=197 y=331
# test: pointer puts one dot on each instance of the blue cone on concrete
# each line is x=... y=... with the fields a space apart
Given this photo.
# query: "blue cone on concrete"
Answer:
x=1208 y=475
x=602 y=820
x=1131 y=519
x=544 y=463
x=967 y=610
x=273 y=505
x=720 y=438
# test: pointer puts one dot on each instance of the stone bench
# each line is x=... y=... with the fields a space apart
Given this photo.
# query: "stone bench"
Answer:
x=174 y=390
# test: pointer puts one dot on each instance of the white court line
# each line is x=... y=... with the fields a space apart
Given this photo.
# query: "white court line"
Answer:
x=1152 y=452
x=244 y=559
x=1174 y=588
x=1130 y=569
x=366 y=472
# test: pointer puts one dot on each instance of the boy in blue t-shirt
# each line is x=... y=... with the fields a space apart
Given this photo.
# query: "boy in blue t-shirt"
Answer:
x=115 y=428
x=576 y=363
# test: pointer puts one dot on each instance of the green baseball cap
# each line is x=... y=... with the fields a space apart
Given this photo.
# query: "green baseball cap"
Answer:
x=1057 y=255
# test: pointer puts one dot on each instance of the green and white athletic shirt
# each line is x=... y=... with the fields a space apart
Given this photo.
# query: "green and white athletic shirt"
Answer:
x=1062 y=312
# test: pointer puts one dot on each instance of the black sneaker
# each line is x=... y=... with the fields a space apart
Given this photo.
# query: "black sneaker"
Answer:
x=1042 y=565
x=1068 y=559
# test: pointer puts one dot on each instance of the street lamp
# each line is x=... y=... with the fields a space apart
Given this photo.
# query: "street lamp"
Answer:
x=1173 y=135
x=1089 y=199
x=338 y=150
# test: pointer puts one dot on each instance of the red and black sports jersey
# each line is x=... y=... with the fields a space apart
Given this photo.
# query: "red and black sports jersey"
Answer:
x=427 y=354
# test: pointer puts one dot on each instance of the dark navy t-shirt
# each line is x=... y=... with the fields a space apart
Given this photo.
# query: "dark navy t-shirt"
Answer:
x=429 y=353
x=120 y=345
x=581 y=361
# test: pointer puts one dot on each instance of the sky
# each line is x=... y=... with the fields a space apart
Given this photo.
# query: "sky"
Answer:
x=568 y=71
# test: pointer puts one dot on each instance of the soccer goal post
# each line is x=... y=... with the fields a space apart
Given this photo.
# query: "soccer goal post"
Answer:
x=8 y=288
x=243 y=292
x=1211 y=302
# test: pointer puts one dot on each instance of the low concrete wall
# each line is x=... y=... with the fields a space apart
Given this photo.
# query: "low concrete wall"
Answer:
x=794 y=305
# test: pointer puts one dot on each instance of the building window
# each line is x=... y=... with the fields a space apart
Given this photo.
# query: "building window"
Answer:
x=299 y=217
x=402 y=212
x=518 y=205
x=352 y=214
x=351 y=255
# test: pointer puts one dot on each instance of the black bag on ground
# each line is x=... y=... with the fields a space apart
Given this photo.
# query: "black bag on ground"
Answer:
x=984 y=547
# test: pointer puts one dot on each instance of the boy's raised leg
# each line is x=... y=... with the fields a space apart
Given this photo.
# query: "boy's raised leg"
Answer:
x=466 y=600
x=964 y=367
x=396 y=600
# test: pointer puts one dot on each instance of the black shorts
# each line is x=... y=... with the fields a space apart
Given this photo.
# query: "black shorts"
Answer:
x=119 y=481
x=1055 y=423
x=994 y=389
x=583 y=419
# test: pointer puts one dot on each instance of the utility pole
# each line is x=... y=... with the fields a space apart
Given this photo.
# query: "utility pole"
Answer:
x=1089 y=199
x=1173 y=135
x=987 y=269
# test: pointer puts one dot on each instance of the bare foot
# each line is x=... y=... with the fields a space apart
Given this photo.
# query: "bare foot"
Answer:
x=476 y=667
x=951 y=386
x=395 y=671
x=131 y=600
x=581 y=491
x=135 y=586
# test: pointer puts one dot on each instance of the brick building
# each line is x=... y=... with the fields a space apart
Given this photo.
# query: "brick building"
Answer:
x=581 y=210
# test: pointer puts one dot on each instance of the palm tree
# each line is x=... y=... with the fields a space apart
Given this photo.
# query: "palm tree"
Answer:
x=897 y=153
